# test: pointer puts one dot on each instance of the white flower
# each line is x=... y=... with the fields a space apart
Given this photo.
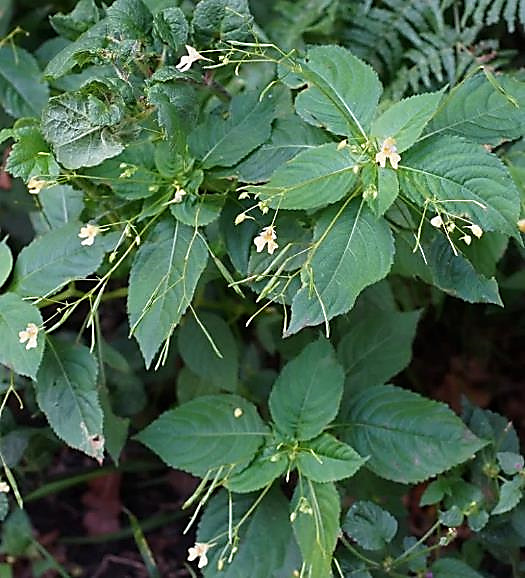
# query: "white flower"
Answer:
x=34 y=186
x=187 y=60
x=237 y=412
x=240 y=218
x=4 y=488
x=436 y=221
x=388 y=151
x=30 y=334
x=477 y=231
x=467 y=239
x=266 y=236
x=88 y=233
x=179 y=195
x=199 y=551
x=521 y=225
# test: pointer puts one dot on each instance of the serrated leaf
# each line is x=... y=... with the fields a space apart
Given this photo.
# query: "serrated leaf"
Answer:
x=408 y=438
x=129 y=20
x=405 y=120
x=357 y=251
x=306 y=395
x=377 y=347
x=81 y=129
x=387 y=191
x=163 y=278
x=66 y=391
x=510 y=495
x=54 y=259
x=15 y=314
x=326 y=459
x=6 y=262
x=447 y=567
x=290 y=137
x=84 y=15
x=477 y=110
x=263 y=537
x=222 y=20
x=314 y=178
x=461 y=178
x=198 y=353
x=510 y=462
x=316 y=526
x=30 y=155
x=226 y=137
x=171 y=27
x=22 y=90
x=205 y=434
x=268 y=465
x=342 y=92
x=369 y=525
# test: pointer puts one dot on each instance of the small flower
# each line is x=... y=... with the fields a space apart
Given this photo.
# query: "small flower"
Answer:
x=199 y=551
x=187 y=60
x=240 y=218
x=179 y=195
x=34 y=186
x=88 y=233
x=4 y=488
x=388 y=151
x=237 y=412
x=342 y=144
x=436 y=221
x=263 y=207
x=521 y=225
x=477 y=231
x=30 y=334
x=467 y=239
x=266 y=236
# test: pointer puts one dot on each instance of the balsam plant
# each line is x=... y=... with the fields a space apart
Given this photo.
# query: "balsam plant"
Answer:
x=179 y=159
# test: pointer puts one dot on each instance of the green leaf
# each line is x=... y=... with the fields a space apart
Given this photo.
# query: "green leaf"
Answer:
x=408 y=438
x=377 y=347
x=305 y=397
x=129 y=20
x=66 y=391
x=357 y=251
x=510 y=495
x=314 y=178
x=369 y=525
x=510 y=462
x=67 y=58
x=263 y=537
x=477 y=110
x=6 y=262
x=15 y=315
x=405 y=120
x=84 y=15
x=326 y=459
x=202 y=212
x=290 y=137
x=451 y=273
x=387 y=191
x=461 y=178
x=226 y=137
x=61 y=204
x=22 y=91
x=206 y=433
x=163 y=278
x=30 y=155
x=171 y=27
x=316 y=526
x=81 y=129
x=115 y=428
x=222 y=20
x=268 y=465
x=447 y=567
x=342 y=92
x=54 y=259
x=200 y=352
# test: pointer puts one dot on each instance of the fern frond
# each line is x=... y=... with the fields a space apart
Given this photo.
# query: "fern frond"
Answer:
x=488 y=12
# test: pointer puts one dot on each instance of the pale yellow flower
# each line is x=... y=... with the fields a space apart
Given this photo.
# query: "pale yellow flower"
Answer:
x=477 y=231
x=188 y=59
x=4 y=488
x=467 y=239
x=388 y=151
x=179 y=195
x=521 y=225
x=34 y=186
x=88 y=233
x=199 y=551
x=436 y=221
x=266 y=237
x=30 y=335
